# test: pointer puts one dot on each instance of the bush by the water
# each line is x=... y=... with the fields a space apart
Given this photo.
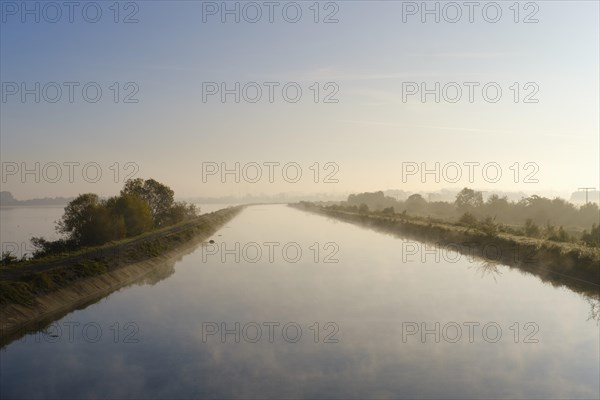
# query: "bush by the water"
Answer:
x=140 y=207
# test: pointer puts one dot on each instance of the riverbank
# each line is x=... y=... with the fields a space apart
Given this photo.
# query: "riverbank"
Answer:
x=41 y=290
x=569 y=264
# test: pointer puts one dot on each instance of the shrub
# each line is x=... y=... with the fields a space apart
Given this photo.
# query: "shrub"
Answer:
x=592 y=238
x=468 y=220
x=135 y=212
x=7 y=258
x=531 y=229
x=488 y=226
x=558 y=236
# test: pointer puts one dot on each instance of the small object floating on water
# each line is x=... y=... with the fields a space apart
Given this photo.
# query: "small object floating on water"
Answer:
x=211 y=241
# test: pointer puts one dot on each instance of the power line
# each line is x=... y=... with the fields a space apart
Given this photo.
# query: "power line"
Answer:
x=587 y=189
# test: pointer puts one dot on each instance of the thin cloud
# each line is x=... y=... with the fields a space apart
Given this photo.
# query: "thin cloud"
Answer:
x=456 y=129
x=463 y=55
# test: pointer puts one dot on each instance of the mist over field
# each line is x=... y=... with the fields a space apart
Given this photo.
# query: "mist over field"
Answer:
x=370 y=96
x=299 y=199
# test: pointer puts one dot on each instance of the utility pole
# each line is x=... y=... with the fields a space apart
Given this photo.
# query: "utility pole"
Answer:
x=587 y=189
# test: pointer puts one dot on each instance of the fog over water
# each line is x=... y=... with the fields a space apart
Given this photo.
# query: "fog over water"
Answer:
x=367 y=298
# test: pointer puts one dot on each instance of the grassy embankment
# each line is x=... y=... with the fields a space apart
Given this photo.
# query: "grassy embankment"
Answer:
x=22 y=282
x=570 y=264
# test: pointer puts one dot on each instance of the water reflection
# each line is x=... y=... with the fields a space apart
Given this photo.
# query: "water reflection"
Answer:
x=155 y=275
x=547 y=346
x=483 y=254
x=488 y=269
x=594 y=303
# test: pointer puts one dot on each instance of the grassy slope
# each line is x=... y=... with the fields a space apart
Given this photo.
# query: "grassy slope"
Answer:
x=22 y=282
x=568 y=264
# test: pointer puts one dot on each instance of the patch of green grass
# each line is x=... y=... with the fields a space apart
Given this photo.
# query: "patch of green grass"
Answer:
x=87 y=268
x=16 y=292
x=43 y=281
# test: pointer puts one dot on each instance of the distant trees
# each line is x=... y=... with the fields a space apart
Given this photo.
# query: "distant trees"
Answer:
x=180 y=211
x=159 y=197
x=141 y=206
x=415 y=204
x=534 y=216
x=135 y=212
x=468 y=199
x=557 y=211
x=375 y=200
x=87 y=221
x=497 y=206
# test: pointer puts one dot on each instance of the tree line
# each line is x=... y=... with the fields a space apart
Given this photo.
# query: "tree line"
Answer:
x=533 y=216
x=141 y=206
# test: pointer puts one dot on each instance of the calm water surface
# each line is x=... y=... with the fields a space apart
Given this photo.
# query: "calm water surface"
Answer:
x=313 y=327
x=20 y=224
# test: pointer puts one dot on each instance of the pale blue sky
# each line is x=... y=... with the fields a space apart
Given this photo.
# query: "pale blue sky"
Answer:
x=369 y=133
